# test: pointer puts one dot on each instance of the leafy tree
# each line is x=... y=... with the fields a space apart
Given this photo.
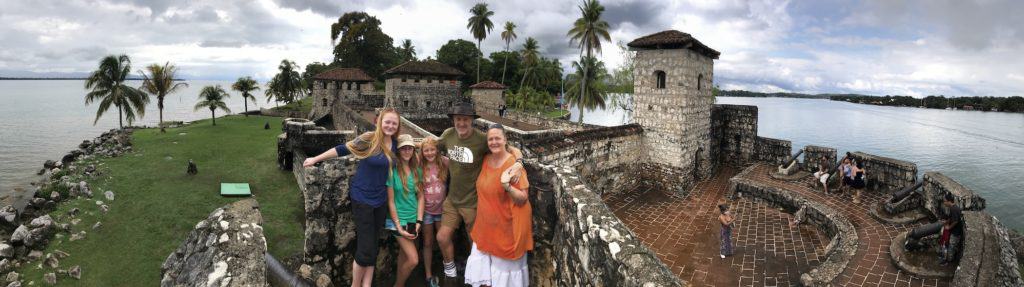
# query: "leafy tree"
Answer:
x=508 y=36
x=512 y=65
x=159 y=82
x=107 y=86
x=459 y=54
x=530 y=99
x=479 y=25
x=212 y=97
x=312 y=69
x=588 y=30
x=407 y=51
x=246 y=85
x=287 y=85
x=530 y=56
x=362 y=44
x=593 y=96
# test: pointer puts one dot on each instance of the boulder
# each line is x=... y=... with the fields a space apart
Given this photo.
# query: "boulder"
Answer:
x=6 y=251
x=42 y=221
x=75 y=272
x=20 y=235
x=97 y=225
x=71 y=157
x=50 y=164
x=109 y=195
x=14 y=284
x=8 y=214
x=52 y=261
x=13 y=276
x=73 y=212
x=55 y=196
x=34 y=255
x=226 y=248
x=50 y=278
x=104 y=208
x=77 y=236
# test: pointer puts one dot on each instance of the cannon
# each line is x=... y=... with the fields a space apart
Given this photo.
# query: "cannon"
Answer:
x=914 y=236
x=280 y=274
x=792 y=159
x=790 y=166
x=906 y=191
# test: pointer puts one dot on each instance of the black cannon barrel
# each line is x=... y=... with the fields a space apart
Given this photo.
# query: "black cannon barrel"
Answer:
x=925 y=230
x=281 y=274
x=792 y=159
x=906 y=191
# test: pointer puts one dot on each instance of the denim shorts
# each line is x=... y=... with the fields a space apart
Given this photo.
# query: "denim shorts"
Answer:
x=431 y=218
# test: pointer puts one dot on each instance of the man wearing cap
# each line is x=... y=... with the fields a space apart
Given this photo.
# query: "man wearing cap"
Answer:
x=465 y=148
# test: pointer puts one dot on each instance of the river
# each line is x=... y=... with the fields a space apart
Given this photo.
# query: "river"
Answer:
x=984 y=151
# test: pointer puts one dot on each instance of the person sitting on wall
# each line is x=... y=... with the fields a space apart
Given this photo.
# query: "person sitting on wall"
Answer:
x=821 y=176
x=501 y=110
x=465 y=148
x=952 y=230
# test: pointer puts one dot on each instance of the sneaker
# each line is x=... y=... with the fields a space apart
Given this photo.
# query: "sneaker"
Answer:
x=449 y=269
x=432 y=282
x=723 y=255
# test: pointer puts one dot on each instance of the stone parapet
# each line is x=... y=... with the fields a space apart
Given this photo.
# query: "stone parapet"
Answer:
x=815 y=155
x=225 y=249
x=608 y=158
x=538 y=120
x=734 y=131
x=772 y=151
x=936 y=185
x=843 y=244
x=988 y=258
x=883 y=174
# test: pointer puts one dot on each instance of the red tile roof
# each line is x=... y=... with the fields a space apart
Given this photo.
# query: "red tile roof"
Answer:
x=673 y=39
x=488 y=85
x=425 y=67
x=344 y=74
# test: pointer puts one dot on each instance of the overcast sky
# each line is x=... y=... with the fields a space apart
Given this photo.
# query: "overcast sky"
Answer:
x=951 y=47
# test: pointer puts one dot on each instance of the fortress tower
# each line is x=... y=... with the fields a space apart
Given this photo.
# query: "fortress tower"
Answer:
x=672 y=101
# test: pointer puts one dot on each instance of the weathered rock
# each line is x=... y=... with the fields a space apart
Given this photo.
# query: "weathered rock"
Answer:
x=97 y=225
x=104 y=208
x=14 y=284
x=73 y=212
x=77 y=236
x=75 y=221
x=89 y=169
x=8 y=214
x=6 y=251
x=6 y=264
x=12 y=276
x=109 y=195
x=51 y=260
x=50 y=164
x=34 y=255
x=42 y=221
x=75 y=272
x=50 y=278
x=55 y=196
x=20 y=235
x=225 y=249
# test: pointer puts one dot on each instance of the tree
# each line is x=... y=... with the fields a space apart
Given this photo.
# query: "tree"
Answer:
x=246 y=85
x=459 y=54
x=362 y=44
x=512 y=66
x=479 y=25
x=530 y=55
x=107 y=86
x=287 y=85
x=312 y=69
x=407 y=51
x=593 y=95
x=159 y=83
x=212 y=97
x=588 y=30
x=508 y=36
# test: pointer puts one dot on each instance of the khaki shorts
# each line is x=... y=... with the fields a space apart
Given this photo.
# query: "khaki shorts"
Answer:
x=452 y=216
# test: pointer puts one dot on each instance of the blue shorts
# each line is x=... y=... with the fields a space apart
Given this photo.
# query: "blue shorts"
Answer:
x=431 y=218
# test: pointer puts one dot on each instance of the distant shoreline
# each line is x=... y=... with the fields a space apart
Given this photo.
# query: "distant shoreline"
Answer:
x=63 y=79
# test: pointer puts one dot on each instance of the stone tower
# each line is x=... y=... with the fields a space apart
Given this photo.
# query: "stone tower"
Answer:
x=672 y=101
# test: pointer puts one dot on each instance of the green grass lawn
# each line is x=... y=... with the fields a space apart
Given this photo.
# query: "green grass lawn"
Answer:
x=304 y=105
x=556 y=113
x=157 y=204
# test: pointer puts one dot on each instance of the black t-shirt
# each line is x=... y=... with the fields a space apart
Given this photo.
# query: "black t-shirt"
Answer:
x=956 y=216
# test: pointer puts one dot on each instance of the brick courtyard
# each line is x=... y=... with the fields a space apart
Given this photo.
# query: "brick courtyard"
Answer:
x=683 y=231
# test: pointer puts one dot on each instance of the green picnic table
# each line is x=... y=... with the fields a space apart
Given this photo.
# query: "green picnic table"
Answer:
x=235 y=189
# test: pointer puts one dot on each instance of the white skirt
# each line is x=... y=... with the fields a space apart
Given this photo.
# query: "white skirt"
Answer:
x=484 y=269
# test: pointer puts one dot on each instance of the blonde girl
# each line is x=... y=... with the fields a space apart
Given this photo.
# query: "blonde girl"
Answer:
x=435 y=174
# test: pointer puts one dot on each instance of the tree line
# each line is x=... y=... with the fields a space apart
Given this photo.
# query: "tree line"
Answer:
x=1014 y=104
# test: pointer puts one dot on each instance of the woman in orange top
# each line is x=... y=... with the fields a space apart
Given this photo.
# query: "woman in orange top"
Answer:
x=503 y=230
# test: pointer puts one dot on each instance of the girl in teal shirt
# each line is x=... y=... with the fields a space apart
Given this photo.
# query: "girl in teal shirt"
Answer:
x=405 y=202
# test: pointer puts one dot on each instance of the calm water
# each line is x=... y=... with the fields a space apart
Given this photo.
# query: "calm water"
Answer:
x=982 y=150
x=42 y=120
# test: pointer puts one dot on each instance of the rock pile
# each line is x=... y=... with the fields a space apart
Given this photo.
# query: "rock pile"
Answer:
x=225 y=249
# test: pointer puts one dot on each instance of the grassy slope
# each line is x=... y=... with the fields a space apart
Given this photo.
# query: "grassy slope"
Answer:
x=157 y=204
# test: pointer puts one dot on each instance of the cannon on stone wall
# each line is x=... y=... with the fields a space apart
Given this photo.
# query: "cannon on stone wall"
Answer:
x=789 y=167
x=915 y=235
x=906 y=191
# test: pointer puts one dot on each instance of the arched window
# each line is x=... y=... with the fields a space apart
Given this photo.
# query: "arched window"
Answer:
x=700 y=79
x=659 y=79
x=324 y=100
x=348 y=86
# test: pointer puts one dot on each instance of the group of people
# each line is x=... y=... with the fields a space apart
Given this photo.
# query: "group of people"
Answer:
x=852 y=171
x=424 y=192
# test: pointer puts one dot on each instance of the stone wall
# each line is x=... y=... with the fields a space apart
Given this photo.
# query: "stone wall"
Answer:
x=327 y=92
x=885 y=174
x=734 y=132
x=580 y=242
x=772 y=151
x=813 y=156
x=487 y=101
x=225 y=249
x=301 y=135
x=677 y=117
x=607 y=158
x=538 y=120
x=420 y=98
x=988 y=258
x=936 y=185
x=343 y=117
x=843 y=242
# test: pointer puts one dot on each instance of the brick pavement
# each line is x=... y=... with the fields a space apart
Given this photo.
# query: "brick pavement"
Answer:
x=683 y=231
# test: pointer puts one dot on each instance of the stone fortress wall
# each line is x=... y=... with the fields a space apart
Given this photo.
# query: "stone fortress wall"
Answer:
x=421 y=96
x=326 y=92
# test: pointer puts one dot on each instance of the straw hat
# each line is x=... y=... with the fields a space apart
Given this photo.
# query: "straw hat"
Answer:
x=405 y=140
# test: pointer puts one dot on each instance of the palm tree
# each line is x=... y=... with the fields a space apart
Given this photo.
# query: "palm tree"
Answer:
x=588 y=30
x=508 y=35
x=530 y=55
x=407 y=51
x=212 y=97
x=159 y=83
x=246 y=85
x=480 y=24
x=593 y=96
x=287 y=85
x=107 y=85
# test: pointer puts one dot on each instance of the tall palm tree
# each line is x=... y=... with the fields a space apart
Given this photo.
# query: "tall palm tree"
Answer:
x=246 y=85
x=160 y=83
x=287 y=85
x=530 y=55
x=212 y=97
x=593 y=94
x=508 y=35
x=480 y=24
x=107 y=86
x=588 y=31
x=407 y=51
